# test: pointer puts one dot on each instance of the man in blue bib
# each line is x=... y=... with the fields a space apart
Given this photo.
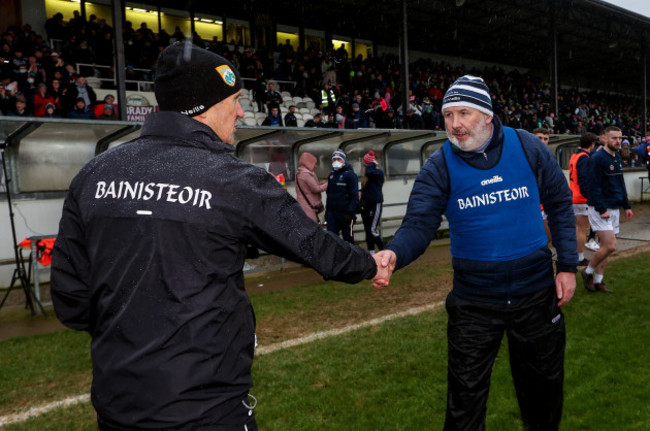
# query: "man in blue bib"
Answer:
x=489 y=180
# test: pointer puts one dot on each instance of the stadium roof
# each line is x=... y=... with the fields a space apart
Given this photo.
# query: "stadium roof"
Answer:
x=598 y=45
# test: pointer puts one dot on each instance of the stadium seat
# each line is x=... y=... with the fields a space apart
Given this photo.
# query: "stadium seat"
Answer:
x=249 y=114
x=285 y=95
x=307 y=117
x=246 y=104
x=310 y=103
x=314 y=111
x=301 y=123
x=304 y=111
x=250 y=121
x=260 y=115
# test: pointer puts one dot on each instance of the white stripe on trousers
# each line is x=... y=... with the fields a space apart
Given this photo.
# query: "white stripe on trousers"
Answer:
x=375 y=220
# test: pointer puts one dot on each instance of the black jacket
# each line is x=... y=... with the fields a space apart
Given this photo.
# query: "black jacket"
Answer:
x=149 y=260
x=343 y=191
x=606 y=182
x=371 y=193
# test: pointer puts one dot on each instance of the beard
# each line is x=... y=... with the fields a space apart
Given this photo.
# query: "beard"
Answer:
x=613 y=147
x=474 y=138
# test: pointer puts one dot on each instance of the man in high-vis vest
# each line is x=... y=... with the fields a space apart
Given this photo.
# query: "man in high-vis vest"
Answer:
x=328 y=98
x=489 y=181
x=578 y=182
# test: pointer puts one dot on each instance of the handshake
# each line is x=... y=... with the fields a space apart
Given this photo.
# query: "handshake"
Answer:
x=385 y=261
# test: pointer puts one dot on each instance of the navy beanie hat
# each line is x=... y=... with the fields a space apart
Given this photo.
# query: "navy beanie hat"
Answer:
x=190 y=80
x=469 y=91
x=340 y=154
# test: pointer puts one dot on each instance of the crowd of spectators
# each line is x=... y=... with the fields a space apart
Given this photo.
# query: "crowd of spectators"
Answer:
x=36 y=81
x=366 y=91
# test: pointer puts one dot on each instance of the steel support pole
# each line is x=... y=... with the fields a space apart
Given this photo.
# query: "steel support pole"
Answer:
x=404 y=60
x=554 y=77
x=644 y=80
x=120 y=61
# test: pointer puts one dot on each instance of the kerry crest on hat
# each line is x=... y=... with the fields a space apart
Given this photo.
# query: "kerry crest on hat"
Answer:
x=227 y=74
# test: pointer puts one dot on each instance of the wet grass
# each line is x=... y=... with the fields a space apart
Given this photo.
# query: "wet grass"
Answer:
x=387 y=377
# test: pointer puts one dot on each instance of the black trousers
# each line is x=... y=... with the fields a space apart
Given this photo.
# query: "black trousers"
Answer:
x=234 y=415
x=535 y=329
x=371 y=216
x=340 y=222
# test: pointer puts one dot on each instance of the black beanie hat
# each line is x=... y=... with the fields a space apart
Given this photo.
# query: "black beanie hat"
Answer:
x=190 y=79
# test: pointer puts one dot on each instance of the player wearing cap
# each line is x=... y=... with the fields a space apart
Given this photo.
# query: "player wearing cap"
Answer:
x=489 y=181
x=150 y=252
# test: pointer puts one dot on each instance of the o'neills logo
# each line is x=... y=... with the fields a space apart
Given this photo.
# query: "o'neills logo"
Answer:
x=193 y=111
x=451 y=98
x=227 y=74
x=493 y=180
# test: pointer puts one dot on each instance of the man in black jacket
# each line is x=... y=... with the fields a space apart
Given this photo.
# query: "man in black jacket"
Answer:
x=150 y=252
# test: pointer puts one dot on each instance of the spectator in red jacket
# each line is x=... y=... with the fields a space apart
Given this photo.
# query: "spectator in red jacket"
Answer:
x=41 y=99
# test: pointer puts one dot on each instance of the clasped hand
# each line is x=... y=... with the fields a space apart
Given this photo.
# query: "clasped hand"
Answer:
x=385 y=260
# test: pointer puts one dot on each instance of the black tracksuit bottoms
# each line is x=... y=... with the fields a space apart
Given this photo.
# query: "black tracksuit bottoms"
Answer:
x=534 y=325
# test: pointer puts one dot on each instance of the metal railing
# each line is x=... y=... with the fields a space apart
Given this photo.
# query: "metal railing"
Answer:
x=141 y=84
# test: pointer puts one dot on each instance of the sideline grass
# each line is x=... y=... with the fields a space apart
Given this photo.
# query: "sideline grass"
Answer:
x=391 y=377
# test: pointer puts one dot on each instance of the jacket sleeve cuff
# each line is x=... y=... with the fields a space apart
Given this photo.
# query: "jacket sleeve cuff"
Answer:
x=566 y=268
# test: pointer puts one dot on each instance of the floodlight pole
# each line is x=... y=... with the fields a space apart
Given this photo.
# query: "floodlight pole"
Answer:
x=554 y=79
x=120 y=62
x=644 y=94
x=405 y=61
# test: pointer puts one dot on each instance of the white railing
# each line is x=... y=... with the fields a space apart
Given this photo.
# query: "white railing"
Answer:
x=141 y=84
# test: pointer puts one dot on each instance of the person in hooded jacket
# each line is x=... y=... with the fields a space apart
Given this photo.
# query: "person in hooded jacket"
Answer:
x=308 y=188
x=150 y=253
x=342 y=197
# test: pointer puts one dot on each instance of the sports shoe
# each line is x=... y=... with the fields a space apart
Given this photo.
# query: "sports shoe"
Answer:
x=583 y=262
x=588 y=280
x=592 y=245
x=600 y=287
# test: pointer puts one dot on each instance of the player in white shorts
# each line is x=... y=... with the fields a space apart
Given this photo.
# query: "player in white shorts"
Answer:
x=598 y=223
x=607 y=194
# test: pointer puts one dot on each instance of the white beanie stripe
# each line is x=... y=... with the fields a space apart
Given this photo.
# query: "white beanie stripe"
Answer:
x=473 y=89
x=469 y=91
x=470 y=105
